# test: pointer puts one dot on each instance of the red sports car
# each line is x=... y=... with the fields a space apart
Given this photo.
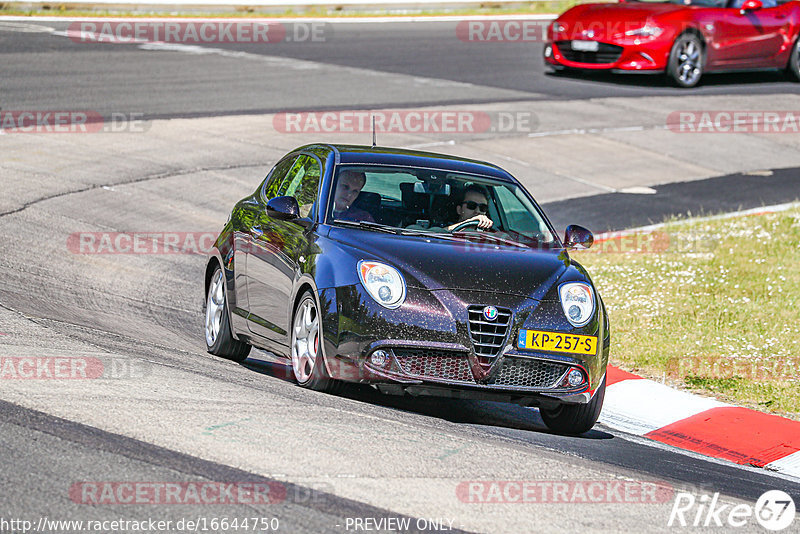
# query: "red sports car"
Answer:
x=684 y=38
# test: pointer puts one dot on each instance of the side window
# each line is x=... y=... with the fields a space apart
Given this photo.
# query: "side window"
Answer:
x=302 y=183
x=277 y=176
x=520 y=214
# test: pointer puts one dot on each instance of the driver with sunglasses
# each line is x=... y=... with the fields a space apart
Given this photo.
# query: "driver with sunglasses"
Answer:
x=473 y=206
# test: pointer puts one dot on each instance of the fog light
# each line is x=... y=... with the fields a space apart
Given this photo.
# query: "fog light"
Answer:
x=379 y=358
x=548 y=51
x=574 y=378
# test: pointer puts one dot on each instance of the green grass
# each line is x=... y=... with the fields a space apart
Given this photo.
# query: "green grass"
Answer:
x=56 y=9
x=711 y=306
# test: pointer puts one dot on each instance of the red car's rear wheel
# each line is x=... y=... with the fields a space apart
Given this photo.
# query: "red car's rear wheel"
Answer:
x=793 y=68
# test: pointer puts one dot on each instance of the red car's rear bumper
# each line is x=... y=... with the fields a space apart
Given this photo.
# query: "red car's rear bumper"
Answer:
x=610 y=56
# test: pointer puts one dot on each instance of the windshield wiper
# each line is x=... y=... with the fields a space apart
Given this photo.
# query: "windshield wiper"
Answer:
x=423 y=233
x=484 y=236
x=369 y=225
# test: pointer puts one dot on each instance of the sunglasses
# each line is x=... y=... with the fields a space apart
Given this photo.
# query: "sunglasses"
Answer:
x=471 y=205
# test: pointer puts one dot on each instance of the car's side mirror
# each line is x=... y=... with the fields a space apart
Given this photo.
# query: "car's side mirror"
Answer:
x=283 y=208
x=578 y=237
x=751 y=5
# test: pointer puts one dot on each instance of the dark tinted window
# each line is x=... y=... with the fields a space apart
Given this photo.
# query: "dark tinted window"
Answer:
x=302 y=183
x=276 y=177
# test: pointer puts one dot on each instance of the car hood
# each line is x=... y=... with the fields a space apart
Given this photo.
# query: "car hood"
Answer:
x=607 y=20
x=436 y=264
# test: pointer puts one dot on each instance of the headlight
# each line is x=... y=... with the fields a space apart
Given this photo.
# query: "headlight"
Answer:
x=577 y=300
x=645 y=31
x=559 y=27
x=385 y=284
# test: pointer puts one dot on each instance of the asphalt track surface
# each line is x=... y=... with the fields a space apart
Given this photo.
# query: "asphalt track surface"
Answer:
x=45 y=71
x=147 y=309
x=722 y=194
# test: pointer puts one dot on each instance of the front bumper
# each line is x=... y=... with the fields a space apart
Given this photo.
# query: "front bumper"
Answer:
x=610 y=56
x=429 y=347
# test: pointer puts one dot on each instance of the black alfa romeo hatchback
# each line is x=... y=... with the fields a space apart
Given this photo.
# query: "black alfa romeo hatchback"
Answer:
x=416 y=273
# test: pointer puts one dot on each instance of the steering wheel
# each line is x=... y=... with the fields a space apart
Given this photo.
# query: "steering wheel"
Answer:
x=472 y=222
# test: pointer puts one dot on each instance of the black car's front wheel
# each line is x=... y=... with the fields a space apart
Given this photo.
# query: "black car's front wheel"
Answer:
x=575 y=419
x=685 y=66
x=219 y=340
x=307 y=364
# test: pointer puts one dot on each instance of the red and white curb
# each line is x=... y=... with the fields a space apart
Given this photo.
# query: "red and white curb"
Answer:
x=706 y=426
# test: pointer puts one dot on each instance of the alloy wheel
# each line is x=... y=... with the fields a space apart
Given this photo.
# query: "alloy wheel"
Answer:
x=689 y=62
x=215 y=306
x=305 y=340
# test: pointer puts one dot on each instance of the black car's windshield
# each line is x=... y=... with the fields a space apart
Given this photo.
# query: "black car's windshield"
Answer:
x=435 y=203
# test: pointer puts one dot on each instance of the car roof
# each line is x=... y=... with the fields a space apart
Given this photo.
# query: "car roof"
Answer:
x=363 y=154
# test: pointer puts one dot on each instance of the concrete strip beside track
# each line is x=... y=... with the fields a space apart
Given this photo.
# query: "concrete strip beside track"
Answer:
x=609 y=145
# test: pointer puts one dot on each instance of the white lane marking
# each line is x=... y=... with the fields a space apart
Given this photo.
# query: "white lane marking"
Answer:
x=330 y=20
x=638 y=190
x=753 y=211
x=451 y=142
x=291 y=63
x=208 y=50
x=593 y=131
x=24 y=28
x=275 y=61
x=639 y=406
x=788 y=465
x=596 y=185
x=498 y=155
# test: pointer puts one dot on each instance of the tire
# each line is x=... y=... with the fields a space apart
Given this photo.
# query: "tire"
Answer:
x=219 y=339
x=307 y=360
x=793 y=67
x=574 y=419
x=686 y=61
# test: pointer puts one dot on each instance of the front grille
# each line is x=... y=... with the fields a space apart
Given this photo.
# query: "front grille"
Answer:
x=606 y=53
x=434 y=364
x=487 y=336
x=524 y=372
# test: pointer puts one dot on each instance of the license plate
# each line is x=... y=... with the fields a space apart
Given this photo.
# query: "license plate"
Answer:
x=585 y=46
x=556 y=342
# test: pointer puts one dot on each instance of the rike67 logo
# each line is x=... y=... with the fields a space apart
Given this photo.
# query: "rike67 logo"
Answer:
x=774 y=510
